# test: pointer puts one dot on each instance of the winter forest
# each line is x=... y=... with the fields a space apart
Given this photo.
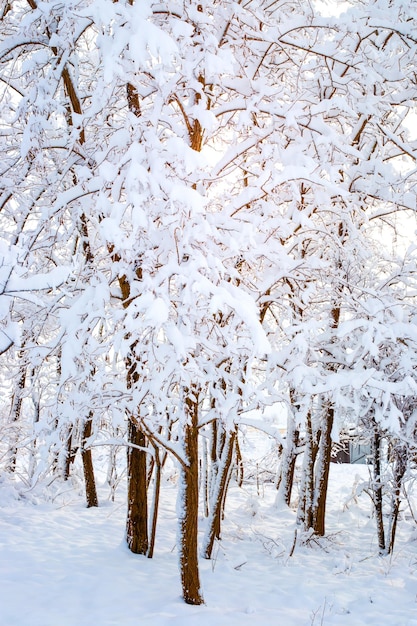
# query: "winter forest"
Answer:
x=207 y=235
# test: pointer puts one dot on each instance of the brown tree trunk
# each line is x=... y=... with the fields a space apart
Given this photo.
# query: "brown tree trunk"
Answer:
x=87 y=459
x=377 y=491
x=214 y=523
x=239 y=461
x=137 y=500
x=323 y=469
x=400 y=466
x=305 y=506
x=155 y=504
x=188 y=506
x=288 y=468
x=288 y=462
x=289 y=482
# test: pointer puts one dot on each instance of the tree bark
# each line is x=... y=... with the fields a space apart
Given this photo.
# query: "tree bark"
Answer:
x=239 y=461
x=70 y=452
x=305 y=506
x=214 y=522
x=288 y=462
x=400 y=466
x=137 y=500
x=155 y=504
x=323 y=469
x=87 y=459
x=188 y=508
x=15 y=413
x=377 y=490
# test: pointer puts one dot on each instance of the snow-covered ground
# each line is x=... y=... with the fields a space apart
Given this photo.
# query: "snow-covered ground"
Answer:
x=64 y=565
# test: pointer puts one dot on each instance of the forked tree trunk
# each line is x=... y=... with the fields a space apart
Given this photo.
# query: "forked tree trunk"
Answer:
x=87 y=459
x=289 y=459
x=137 y=500
x=322 y=462
x=219 y=495
x=188 y=508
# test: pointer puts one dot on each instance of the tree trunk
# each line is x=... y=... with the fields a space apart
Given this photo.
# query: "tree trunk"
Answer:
x=305 y=506
x=377 y=490
x=155 y=503
x=137 y=501
x=36 y=415
x=400 y=466
x=70 y=452
x=15 y=413
x=205 y=478
x=239 y=461
x=288 y=463
x=218 y=441
x=112 y=476
x=87 y=459
x=188 y=508
x=214 y=522
x=323 y=469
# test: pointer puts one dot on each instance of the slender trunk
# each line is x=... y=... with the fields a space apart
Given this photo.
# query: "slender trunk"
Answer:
x=15 y=413
x=137 y=501
x=218 y=438
x=214 y=522
x=400 y=467
x=239 y=461
x=213 y=447
x=286 y=480
x=305 y=506
x=377 y=490
x=36 y=415
x=291 y=468
x=87 y=459
x=205 y=478
x=155 y=503
x=188 y=507
x=69 y=451
x=228 y=479
x=150 y=471
x=112 y=477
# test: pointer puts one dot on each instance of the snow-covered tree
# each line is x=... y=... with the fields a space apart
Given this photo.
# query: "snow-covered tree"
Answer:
x=191 y=192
